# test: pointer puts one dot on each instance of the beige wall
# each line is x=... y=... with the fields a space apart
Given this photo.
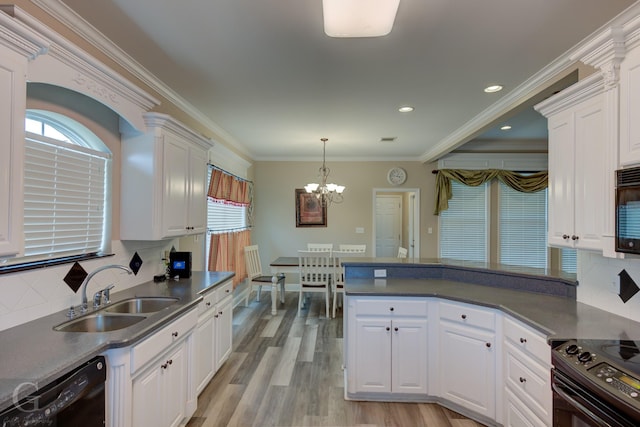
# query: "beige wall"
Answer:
x=275 y=183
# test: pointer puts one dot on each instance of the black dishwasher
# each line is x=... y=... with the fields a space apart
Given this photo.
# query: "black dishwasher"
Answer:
x=75 y=400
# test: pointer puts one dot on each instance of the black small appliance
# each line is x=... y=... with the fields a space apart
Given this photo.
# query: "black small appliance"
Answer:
x=180 y=264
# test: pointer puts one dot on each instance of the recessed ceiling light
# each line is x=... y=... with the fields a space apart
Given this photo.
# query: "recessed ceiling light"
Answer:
x=505 y=127
x=492 y=89
x=405 y=109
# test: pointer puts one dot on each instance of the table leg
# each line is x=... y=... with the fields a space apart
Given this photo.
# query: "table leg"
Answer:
x=274 y=294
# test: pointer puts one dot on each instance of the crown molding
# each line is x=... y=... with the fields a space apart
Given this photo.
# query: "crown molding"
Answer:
x=60 y=11
x=19 y=37
x=628 y=20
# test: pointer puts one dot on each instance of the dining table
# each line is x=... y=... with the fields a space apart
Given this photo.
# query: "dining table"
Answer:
x=285 y=265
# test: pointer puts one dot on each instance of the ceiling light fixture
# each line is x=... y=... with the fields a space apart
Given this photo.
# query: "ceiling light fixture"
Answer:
x=493 y=88
x=406 y=109
x=505 y=127
x=359 y=18
x=326 y=193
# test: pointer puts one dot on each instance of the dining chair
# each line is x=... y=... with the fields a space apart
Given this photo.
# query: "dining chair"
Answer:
x=337 y=281
x=402 y=252
x=315 y=273
x=256 y=278
x=320 y=247
x=355 y=250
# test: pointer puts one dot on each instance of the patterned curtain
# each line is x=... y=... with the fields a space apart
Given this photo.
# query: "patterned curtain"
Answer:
x=529 y=183
x=229 y=189
x=227 y=253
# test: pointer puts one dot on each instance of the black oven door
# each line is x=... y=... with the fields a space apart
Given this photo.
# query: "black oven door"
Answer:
x=575 y=406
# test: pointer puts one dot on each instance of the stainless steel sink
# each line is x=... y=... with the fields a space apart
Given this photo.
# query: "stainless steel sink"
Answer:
x=99 y=322
x=140 y=305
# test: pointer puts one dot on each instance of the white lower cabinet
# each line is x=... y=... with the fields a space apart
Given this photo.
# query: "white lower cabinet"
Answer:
x=152 y=383
x=473 y=359
x=213 y=333
x=467 y=357
x=387 y=346
x=160 y=392
x=527 y=376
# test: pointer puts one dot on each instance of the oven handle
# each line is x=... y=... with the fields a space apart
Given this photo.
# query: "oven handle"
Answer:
x=562 y=393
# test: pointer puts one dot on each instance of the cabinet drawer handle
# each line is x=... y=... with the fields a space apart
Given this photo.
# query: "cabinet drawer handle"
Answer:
x=174 y=334
x=390 y=308
x=464 y=316
x=388 y=328
x=523 y=380
x=488 y=345
x=523 y=340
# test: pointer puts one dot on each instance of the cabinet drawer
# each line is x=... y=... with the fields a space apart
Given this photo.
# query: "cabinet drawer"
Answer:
x=391 y=306
x=529 y=380
x=468 y=315
x=529 y=341
x=224 y=290
x=208 y=303
x=161 y=340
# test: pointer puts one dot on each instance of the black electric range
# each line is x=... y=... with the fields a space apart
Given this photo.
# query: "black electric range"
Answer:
x=597 y=383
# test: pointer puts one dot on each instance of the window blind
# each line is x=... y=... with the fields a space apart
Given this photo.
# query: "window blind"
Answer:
x=568 y=260
x=464 y=226
x=522 y=227
x=64 y=198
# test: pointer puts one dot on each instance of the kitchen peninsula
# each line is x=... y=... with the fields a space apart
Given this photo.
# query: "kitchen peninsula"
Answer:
x=473 y=337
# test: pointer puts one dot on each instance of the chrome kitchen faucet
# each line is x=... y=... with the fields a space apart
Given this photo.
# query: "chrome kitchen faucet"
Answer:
x=84 y=306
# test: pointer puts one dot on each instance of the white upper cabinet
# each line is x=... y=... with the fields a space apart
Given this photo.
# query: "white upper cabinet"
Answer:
x=13 y=95
x=577 y=166
x=163 y=187
x=630 y=109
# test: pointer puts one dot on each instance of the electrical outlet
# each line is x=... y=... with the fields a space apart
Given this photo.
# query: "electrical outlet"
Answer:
x=379 y=273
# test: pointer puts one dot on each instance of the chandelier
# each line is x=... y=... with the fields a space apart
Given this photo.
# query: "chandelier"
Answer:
x=326 y=193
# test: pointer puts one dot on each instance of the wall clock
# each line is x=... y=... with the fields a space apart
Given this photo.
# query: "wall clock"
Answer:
x=396 y=176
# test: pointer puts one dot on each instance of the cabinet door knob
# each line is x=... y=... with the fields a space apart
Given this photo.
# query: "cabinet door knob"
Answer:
x=208 y=304
x=523 y=380
x=488 y=345
x=464 y=316
x=390 y=308
x=164 y=366
x=574 y=237
x=395 y=329
x=388 y=328
x=523 y=340
x=174 y=334
x=170 y=361
x=565 y=236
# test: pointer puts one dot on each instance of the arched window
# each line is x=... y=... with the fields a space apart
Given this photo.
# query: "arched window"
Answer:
x=66 y=188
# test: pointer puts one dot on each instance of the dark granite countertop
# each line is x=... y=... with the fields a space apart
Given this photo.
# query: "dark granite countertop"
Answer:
x=34 y=353
x=557 y=317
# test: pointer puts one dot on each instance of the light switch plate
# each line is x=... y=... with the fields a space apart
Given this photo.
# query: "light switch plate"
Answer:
x=379 y=273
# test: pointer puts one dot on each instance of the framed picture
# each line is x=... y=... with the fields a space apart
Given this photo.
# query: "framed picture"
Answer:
x=309 y=210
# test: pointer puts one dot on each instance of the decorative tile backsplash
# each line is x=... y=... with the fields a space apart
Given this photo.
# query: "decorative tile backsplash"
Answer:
x=75 y=277
x=32 y=294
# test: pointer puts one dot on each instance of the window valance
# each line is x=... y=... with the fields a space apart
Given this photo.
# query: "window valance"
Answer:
x=227 y=188
x=526 y=183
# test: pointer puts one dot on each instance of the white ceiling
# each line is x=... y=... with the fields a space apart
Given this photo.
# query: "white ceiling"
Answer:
x=265 y=72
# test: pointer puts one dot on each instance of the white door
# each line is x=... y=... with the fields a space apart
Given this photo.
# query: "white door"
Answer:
x=388 y=225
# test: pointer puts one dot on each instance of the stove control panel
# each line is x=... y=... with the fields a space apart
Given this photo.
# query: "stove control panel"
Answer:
x=622 y=382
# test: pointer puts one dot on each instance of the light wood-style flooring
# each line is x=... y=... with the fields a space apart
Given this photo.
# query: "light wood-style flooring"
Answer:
x=287 y=371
